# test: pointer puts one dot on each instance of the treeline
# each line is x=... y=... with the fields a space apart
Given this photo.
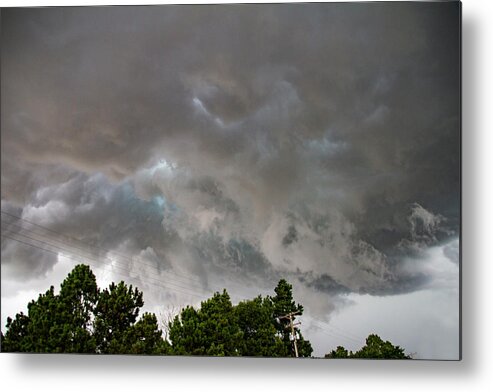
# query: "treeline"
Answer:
x=85 y=319
x=82 y=318
x=375 y=348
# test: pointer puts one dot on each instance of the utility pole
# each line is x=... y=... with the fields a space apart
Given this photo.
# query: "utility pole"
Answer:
x=290 y=317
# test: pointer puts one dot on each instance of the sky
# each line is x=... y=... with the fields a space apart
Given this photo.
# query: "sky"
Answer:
x=186 y=149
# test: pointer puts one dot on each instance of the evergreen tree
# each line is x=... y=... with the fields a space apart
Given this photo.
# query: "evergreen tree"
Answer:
x=248 y=329
x=84 y=319
x=43 y=327
x=375 y=348
x=185 y=334
x=16 y=338
x=144 y=337
x=211 y=330
x=284 y=304
x=57 y=323
x=73 y=312
x=257 y=324
x=81 y=319
x=117 y=310
x=339 y=352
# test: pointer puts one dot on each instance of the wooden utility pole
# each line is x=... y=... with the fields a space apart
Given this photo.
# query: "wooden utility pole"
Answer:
x=290 y=317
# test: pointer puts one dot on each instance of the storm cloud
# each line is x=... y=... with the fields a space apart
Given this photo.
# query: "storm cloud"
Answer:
x=236 y=144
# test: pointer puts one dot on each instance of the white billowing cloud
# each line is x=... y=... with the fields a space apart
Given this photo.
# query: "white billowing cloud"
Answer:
x=327 y=247
x=47 y=213
x=436 y=263
x=433 y=311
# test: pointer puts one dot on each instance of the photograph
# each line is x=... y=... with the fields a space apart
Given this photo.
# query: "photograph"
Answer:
x=236 y=180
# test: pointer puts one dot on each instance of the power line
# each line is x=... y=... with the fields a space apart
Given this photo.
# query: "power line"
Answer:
x=93 y=262
x=89 y=251
x=331 y=335
x=113 y=263
x=133 y=259
x=290 y=317
x=122 y=255
x=334 y=334
x=161 y=285
x=116 y=264
x=349 y=334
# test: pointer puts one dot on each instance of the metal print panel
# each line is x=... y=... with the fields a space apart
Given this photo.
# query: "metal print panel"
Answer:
x=275 y=180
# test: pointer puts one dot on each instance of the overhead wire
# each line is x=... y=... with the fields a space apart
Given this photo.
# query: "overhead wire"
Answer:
x=114 y=263
x=94 y=263
x=90 y=254
x=134 y=260
x=328 y=330
x=110 y=251
x=94 y=260
x=340 y=331
x=335 y=336
x=161 y=286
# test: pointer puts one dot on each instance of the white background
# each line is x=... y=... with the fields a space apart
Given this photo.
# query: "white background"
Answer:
x=473 y=373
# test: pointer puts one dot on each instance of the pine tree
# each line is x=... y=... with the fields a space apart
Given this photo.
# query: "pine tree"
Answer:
x=117 y=310
x=211 y=330
x=257 y=323
x=81 y=319
x=284 y=304
x=375 y=348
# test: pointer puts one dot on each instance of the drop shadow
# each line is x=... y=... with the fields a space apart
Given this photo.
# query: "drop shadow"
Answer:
x=324 y=369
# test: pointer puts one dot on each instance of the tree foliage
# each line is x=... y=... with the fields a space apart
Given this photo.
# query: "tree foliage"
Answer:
x=144 y=337
x=116 y=311
x=83 y=319
x=256 y=322
x=283 y=304
x=375 y=348
x=339 y=352
x=378 y=349
x=57 y=323
x=247 y=329
x=211 y=330
x=72 y=312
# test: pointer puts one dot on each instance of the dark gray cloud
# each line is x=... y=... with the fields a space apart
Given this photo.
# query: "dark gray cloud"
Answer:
x=238 y=142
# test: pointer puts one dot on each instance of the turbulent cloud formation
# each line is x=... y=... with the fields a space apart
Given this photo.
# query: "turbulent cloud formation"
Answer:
x=235 y=144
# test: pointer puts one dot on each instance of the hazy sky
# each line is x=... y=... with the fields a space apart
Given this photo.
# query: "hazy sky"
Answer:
x=190 y=148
